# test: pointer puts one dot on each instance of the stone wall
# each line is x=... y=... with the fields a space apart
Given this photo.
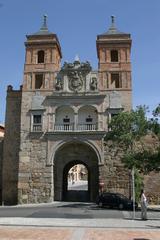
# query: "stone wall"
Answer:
x=152 y=187
x=115 y=177
x=118 y=179
x=35 y=177
x=11 y=146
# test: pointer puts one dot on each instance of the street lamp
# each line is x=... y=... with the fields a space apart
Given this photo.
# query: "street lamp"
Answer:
x=133 y=191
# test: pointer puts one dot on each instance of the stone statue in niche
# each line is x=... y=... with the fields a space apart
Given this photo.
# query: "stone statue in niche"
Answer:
x=93 y=83
x=29 y=82
x=59 y=83
x=47 y=80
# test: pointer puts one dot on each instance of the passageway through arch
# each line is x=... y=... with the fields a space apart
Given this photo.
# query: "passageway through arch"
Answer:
x=67 y=157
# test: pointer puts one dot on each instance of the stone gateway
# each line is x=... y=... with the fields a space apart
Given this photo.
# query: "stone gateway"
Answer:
x=60 y=116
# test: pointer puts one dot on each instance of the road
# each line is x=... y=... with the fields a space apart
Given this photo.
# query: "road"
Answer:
x=70 y=211
x=79 y=185
x=75 y=221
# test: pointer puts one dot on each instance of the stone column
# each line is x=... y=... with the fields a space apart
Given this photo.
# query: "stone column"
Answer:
x=76 y=120
x=50 y=120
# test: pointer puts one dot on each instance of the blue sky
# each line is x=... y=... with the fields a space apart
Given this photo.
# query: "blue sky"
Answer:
x=77 y=23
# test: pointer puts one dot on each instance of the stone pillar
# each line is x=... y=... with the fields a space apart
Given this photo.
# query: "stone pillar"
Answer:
x=76 y=121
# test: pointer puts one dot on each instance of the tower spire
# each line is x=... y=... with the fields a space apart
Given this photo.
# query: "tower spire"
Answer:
x=44 y=25
x=112 y=29
x=112 y=22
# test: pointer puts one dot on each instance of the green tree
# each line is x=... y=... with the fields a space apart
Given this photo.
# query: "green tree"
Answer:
x=129 y=130
x=138 y=184
x=153 y=163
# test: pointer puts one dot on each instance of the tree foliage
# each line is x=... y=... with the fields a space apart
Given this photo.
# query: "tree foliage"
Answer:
x=138 y=184
x=129 y=129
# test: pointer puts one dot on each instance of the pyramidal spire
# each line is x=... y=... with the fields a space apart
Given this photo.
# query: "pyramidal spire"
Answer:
x=113 y=29
x=44 y=26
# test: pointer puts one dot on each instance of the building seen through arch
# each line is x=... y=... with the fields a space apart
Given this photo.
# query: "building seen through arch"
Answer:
x=56 y=122
x=77 y=173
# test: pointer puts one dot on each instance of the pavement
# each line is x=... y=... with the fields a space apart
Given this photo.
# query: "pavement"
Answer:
x=125 y=228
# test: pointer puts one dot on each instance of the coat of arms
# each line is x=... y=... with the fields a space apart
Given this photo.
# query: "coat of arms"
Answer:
x=75 y=80
x=76 y=75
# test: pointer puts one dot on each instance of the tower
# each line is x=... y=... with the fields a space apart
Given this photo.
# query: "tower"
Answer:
x=114 y=66
x=43 y=56
x=42 y=63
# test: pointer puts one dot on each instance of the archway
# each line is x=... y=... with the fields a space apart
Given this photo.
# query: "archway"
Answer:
x=87 y=118
x=67 y=156
x=64 y=119
x=75 y=188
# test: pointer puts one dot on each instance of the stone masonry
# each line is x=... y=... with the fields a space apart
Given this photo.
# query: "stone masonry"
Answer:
x=60 y=116
x=11 y=146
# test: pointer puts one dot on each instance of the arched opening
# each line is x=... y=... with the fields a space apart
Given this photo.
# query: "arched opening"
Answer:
x=87 y=118
x=75 y=182
x=64 y=119
x=67 y=156
x=41 y=56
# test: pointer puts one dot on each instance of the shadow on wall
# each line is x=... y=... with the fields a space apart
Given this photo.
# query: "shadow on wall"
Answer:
x=141 y=239
x=1 y=154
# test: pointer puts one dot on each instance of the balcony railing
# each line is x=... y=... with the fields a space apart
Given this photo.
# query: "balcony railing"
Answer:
x=63 y=127
x=87 y=127
x=37 y=127
x=79 y=127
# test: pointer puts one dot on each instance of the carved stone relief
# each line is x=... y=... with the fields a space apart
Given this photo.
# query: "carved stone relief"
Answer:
x=75 y=74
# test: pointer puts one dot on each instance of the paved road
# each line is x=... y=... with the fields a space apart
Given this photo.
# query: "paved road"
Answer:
x=79 y=185
x=75 y=221
x=61 y=210
x=71 y=211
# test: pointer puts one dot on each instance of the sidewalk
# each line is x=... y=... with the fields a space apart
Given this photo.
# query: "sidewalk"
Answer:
x=126 y=223
x=25 y=228
x=78 y=233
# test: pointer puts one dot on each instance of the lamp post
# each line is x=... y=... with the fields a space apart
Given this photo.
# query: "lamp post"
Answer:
x=133 y=192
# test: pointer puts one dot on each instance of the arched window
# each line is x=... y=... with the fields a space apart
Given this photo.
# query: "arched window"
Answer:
x=41 y=56
x=114 y=56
